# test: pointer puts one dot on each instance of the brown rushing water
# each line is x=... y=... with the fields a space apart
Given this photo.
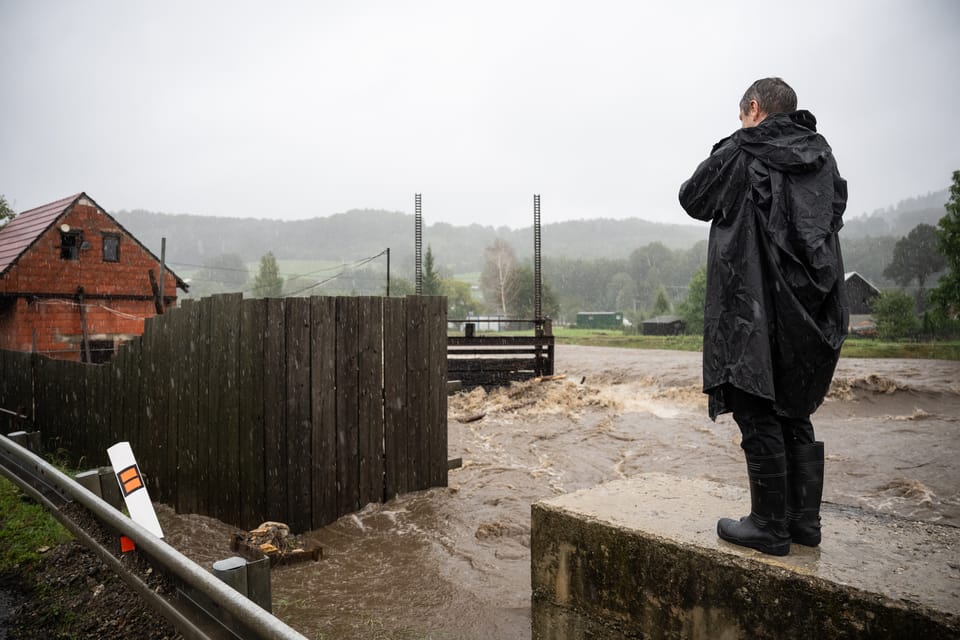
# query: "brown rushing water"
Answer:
x=455 y=562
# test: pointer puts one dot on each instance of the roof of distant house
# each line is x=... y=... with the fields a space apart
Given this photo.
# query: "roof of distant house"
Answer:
x=850 y=274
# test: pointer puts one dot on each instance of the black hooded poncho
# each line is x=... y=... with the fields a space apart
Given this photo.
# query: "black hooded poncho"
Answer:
x=776 y=313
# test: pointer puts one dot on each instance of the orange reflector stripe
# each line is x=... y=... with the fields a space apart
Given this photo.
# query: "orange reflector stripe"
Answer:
x=130 y=480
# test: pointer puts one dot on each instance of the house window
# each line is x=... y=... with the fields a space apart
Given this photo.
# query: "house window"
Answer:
x=70 y=242
x=111 y=247
x=100 y=351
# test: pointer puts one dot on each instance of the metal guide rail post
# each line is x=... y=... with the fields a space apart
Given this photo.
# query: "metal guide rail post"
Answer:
x=202 y=607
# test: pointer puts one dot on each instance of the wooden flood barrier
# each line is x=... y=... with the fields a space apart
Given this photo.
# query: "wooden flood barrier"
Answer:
x=493 y=360
x=299 y=410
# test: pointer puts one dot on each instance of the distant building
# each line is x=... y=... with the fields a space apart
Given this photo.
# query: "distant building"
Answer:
x=600 y=320
x=664 y=326
x=74 y=283
x=860 y=293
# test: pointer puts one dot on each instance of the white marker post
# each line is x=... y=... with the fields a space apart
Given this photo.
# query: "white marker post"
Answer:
x=134 y=491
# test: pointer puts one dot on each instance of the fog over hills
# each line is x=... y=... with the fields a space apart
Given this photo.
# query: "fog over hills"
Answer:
x=361 y=233
x=356 y=234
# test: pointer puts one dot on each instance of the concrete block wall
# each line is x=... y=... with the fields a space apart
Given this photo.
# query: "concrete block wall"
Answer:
x=640 y=558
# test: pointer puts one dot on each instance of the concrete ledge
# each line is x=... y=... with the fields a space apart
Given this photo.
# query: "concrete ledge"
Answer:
x=640 y=558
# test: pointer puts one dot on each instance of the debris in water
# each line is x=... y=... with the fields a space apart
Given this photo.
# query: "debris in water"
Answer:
x=273 y=540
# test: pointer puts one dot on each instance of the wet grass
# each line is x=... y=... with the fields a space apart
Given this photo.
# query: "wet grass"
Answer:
x=26 y=529
x=614 y=338
x=852 y=348
x=871 y=348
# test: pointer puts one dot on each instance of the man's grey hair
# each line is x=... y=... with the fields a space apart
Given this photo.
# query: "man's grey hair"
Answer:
x=773 y=95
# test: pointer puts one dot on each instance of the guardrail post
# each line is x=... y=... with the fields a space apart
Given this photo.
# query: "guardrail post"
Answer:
x=252 y=579
x=258 y=583
x=102 y=483
x=29 y=441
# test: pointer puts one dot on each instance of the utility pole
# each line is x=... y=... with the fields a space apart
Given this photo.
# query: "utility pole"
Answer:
x=163 y=269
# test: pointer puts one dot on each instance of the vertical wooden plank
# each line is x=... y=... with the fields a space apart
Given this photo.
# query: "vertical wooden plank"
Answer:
x=151 y=454
x=188 y=419
x=323 y=407
x=161 y=417
x=395 y=395
x=348 y=490
x=274 y=404
x=7 y=402
x=227 y=497
x=253 y=319
x=298 y=414
x=214 y=426
x=132 y=407
x=115 y=383
x=68 y=413
x=371 y=400
x=205 y=404
x=170 y=353
x=417 y=356
x=86 y=425
x=437 y=389
x=41 y=405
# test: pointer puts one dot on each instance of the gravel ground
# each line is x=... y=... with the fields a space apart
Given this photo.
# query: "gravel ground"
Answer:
x=72 y=594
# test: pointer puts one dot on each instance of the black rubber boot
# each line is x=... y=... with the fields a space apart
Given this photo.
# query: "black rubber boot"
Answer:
x=765 y=529
x=805 y=475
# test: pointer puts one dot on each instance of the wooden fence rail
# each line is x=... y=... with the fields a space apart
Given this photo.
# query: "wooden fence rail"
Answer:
x=297 y=409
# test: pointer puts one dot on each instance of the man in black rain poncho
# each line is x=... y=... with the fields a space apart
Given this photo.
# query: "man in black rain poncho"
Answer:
x=776 y=314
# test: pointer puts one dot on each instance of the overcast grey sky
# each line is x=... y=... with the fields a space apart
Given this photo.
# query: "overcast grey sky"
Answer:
x=292 y=110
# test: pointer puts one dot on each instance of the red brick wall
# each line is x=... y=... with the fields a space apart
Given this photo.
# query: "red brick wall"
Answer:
x=57 y=323
x=57 y=320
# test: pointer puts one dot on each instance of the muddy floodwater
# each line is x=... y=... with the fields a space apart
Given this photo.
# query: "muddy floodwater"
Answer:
x=454 y=562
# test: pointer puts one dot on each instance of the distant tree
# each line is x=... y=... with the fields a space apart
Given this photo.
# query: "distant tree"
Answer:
x=622 y=290
x=268 y=283
x=400 y=287
x=228 y=270
x=652 y=266
x=6 y=213
x=460 y=302
x=498 y=280
x=946 y=296
x=523 y=305
x=691 y=310
x=662 y=305
x=916 y=256
x=432 y=284
x=895 y=315
x=869 y=256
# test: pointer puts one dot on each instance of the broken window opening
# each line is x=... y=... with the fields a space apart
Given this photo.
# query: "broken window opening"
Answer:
x=70 y=242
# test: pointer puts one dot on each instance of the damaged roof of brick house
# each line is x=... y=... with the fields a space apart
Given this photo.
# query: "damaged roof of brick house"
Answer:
x=18 y=235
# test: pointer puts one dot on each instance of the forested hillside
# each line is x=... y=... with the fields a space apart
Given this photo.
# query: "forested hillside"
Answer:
x=626 y=265
x=356 y=234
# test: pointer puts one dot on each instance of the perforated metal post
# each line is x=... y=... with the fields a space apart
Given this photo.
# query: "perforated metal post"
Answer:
x=418 y=243
x=537 y=297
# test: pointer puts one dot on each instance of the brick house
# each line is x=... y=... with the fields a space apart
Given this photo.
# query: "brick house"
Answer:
x=74 y=284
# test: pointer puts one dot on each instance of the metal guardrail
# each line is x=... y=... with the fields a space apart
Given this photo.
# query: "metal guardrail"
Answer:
x=202 y=608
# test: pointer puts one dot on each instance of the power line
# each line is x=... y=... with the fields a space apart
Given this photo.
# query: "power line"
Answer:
x=337 y=275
